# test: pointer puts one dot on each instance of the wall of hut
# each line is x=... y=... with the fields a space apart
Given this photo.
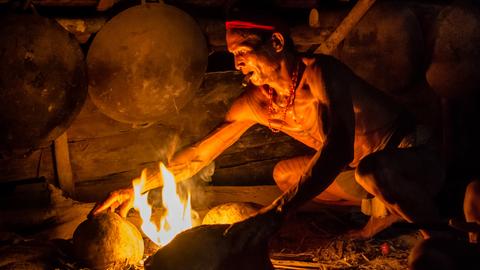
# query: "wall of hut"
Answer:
x=391 y=48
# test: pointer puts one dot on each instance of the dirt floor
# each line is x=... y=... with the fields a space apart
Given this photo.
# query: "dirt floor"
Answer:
x=306 y=241
x=317 y=241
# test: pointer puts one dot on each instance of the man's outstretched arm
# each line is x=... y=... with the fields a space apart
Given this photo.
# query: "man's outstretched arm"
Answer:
x=190 y=160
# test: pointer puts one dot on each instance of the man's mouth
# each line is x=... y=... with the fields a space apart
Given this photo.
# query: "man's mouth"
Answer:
x=247 y=77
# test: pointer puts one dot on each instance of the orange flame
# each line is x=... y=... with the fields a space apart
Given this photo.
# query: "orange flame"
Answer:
x=178 y=213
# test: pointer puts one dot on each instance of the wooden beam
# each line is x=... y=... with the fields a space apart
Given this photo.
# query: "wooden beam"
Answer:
x=292 y=264
x=66 y=3
x=63 y=165
x=39 y=163
x=353 y=17
x=204 y=197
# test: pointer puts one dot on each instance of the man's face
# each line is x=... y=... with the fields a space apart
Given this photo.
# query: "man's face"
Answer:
x=252 y=58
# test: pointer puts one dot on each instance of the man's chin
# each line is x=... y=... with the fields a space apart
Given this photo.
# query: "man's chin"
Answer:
x=255 y=81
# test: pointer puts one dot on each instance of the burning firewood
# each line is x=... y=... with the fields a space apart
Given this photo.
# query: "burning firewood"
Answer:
x=107 y=241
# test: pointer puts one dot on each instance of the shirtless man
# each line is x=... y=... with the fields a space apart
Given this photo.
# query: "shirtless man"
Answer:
x=367 y=146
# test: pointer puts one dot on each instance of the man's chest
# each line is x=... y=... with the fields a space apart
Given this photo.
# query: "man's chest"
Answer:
x=300 y=120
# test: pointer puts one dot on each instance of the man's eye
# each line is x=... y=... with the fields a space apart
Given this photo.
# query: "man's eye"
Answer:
x=240 y=53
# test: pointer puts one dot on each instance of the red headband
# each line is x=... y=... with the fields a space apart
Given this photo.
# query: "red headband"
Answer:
x=247 y=25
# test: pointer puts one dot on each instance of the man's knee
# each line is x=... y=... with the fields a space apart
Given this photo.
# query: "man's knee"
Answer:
x=367 y=172
x=375 y=176
x=281 y=175
x=471 y=204
x=473 y=189
x=288 y=172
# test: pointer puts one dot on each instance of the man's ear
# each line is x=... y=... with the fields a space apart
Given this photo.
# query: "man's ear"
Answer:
x=278 y=42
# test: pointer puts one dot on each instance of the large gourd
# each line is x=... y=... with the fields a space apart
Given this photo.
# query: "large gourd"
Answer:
x=146 y=63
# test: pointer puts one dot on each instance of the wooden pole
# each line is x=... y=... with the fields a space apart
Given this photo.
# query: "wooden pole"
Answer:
x=63 y=165
x=353 y=17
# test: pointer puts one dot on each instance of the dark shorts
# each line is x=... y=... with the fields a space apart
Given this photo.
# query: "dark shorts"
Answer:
x=421 y=135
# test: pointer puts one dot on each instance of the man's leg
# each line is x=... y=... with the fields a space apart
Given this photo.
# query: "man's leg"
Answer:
x=406 y=181
x=288 y=172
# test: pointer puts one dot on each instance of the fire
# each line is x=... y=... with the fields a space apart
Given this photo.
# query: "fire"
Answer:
x=178 y=215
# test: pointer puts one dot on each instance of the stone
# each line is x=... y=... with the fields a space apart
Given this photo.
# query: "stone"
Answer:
x=107 y=241
x=230 y=213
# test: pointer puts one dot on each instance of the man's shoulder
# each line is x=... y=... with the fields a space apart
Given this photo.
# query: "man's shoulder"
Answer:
x=245 y=105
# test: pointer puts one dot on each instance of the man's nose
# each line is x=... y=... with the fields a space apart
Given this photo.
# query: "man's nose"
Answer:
x=239 y=64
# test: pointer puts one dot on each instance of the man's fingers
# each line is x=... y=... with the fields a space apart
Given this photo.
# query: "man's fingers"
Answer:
x=105 y=205
x=125 y=207
x=93 y=211
x=114 y=206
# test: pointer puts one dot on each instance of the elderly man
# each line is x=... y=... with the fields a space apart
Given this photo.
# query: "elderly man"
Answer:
x=367 y=145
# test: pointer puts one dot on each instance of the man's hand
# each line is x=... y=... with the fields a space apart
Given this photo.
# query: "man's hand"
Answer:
x=119 y=200
x=255 y=230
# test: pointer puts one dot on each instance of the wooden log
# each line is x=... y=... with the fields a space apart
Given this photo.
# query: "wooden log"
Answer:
x=91 y=123
x=214 y=29
x=292 y=264
x=105 y=4
x=38 y=163
x=242 y=166
x=223 y=3
x=206 y=110
x=203 y=197
x=301 y=34
x=56 y=219
x=63 y=166
x=210 y=196
x=26 y=193
x=82 y=28
x=95 y=158
x=250 y=160
x=345 y=27
x=66 y=3
x=105 y=150
x=260 y=144
x=383 y=48
x=257 y=172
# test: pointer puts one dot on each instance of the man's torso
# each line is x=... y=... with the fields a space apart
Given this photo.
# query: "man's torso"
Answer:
x=376 y=115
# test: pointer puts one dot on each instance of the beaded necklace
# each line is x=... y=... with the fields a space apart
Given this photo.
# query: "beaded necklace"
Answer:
x=290 y=100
